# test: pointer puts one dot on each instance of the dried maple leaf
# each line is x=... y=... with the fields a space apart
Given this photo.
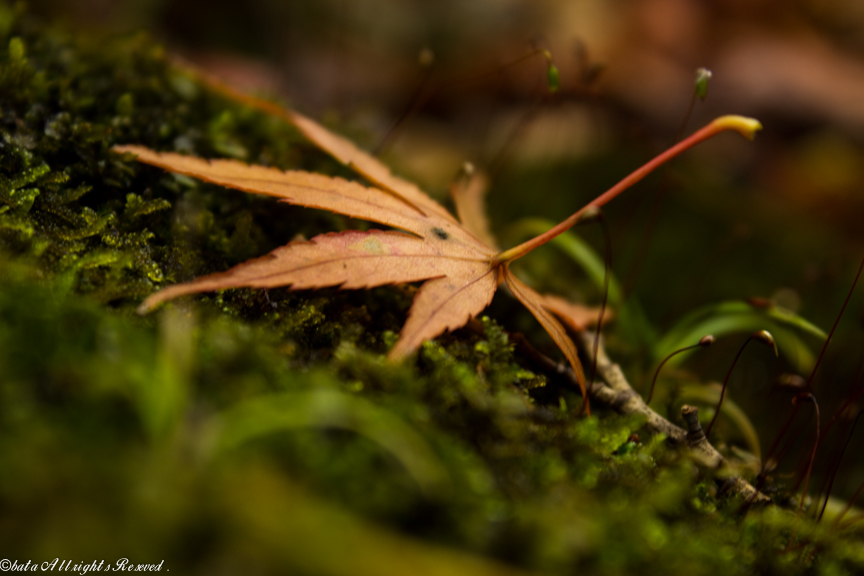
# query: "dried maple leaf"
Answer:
x=461 y=272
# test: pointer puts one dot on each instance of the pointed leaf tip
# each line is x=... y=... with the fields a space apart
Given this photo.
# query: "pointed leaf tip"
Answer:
x=745 y=126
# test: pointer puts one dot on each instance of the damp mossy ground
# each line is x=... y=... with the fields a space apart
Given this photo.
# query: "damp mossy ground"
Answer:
x=263 y=432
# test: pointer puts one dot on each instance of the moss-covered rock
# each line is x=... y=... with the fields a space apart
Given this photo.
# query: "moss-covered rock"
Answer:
x=264 y=432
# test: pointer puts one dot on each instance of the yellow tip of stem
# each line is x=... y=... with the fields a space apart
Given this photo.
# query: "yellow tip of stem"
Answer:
x=747 y=127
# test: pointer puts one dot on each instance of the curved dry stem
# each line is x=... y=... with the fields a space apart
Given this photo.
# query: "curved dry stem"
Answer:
x=747 y=127
x=836 y=465
x=706 y=340
x=760 y=336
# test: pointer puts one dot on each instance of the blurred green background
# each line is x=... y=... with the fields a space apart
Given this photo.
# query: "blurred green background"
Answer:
x=776 y=219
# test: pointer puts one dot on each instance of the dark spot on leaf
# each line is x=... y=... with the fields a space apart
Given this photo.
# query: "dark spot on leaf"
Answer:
x=440 y=233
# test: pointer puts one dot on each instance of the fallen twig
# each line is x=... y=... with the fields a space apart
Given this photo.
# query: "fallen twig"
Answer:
x=615 y=391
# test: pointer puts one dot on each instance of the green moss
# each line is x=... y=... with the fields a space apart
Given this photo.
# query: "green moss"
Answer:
x=162 y=437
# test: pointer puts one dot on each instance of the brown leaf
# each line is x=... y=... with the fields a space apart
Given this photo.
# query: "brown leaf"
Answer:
x=460 y=264
x=461 y=272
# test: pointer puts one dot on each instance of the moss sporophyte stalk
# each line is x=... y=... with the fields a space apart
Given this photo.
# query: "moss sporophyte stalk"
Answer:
x=266 y=426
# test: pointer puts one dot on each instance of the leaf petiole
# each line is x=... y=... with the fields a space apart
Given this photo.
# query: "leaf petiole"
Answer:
x=747 y=127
